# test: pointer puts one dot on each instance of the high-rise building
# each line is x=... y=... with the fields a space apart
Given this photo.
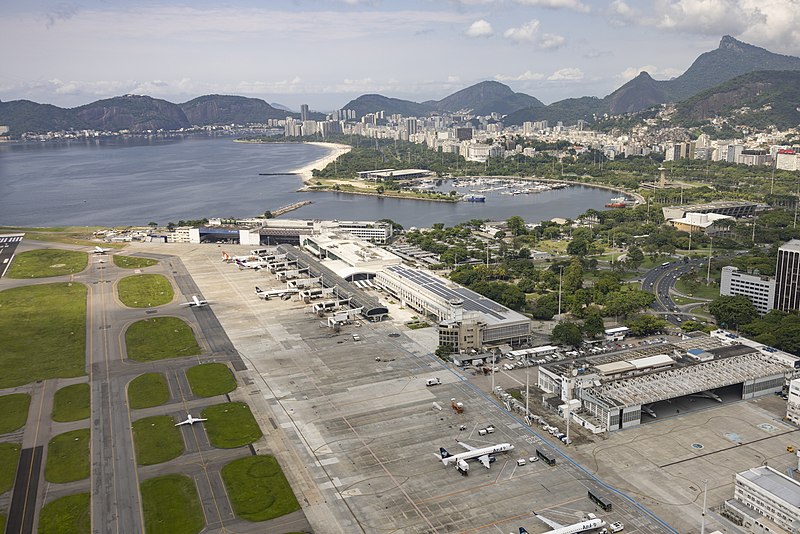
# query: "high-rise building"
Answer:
x=787 y=277
x=304 y=115
x=759 y=289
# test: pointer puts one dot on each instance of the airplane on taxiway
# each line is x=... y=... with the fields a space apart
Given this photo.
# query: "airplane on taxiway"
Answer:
x=483 y=455
x=101 y=250
x=191 y=420
x=196 y=302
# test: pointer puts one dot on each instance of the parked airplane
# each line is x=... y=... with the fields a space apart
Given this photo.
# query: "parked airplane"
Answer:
x=266 y=295
x=252 y=264
x=196 y=302
x=707 y=395
x=101 y=250
x=649 y=411
x=483 y=455
x=191 y=420
x=591 y=523
x=227 y=258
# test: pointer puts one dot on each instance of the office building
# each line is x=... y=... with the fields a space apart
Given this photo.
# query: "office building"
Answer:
x=304 y=115
x=771 y=494
x=759 y=289
x=787 y=277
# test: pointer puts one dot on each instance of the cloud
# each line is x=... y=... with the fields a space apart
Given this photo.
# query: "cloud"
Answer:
x=567 y=74
x=524 y=77
x=60 y=12
x=529 y=33
x=479 y=28
x=575 y=5
x=707 y=16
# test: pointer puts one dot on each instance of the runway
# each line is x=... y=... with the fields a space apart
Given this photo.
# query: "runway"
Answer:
x=23 y=501
x=8 y=245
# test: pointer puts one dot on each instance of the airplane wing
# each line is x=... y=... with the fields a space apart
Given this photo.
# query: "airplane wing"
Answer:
x=552 y=524
x=183 y=423
x=484 y=460
x=468 y=447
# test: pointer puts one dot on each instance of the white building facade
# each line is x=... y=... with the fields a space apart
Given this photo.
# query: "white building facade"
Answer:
x=759 y=289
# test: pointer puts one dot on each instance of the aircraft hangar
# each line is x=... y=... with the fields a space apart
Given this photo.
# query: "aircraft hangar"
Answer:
x=624 y=389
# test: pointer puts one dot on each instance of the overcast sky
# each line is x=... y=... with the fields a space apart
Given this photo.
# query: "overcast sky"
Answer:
x=325 y=52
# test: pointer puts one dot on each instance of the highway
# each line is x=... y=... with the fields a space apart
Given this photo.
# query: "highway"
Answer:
x=661 y=280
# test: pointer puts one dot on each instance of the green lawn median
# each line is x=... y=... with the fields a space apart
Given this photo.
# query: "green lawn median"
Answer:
x=157 y=440
x=148 y=390
x=211 y=379
x=45 y=263
x=132 y=262
x=258 y=489
x=171 y=506
x=42 y=333
x=68 y=457
x=67 y=515
x=145 y=290
x=9 y=458
x=159 y=338
x=231 y=425
x=71 y=403
x=13 y=411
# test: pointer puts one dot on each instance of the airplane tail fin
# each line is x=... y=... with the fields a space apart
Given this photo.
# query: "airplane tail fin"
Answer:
x=443 y=453
x=259 y=290
x=522 y=530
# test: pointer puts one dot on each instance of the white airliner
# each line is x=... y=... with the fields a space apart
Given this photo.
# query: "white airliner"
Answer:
x=252 y=264
x=101 y=250
x=483 y=455
x=191 y=420
x=707 y=395
x=266 y=295
x=196 y=302
x=589 y=524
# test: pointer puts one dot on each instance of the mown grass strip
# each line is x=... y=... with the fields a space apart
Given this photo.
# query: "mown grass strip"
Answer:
x=9 y=458
x=42 y=333
x=145 y=290
x=44 y=263
x=159 y=338
x=72 y=403
x=171 y=505
x=67 y=515
x=258 y=489
x=148 y=390
x=157 y=440
x=132 y=262
x=68 y=457
x=13 y=411
x=211 y=379
x=231 y=425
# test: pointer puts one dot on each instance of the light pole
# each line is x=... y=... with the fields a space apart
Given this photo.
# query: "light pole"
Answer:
x=710 y=248
x=703 y=521
x=527 y=389
x=560 y=273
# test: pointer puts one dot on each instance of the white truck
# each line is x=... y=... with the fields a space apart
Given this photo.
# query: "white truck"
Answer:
x=432 y=382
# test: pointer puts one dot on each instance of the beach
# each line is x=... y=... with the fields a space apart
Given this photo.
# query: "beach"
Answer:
x=336 y=150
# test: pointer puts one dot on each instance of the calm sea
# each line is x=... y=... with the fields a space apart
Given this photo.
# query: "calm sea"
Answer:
x=133 y=182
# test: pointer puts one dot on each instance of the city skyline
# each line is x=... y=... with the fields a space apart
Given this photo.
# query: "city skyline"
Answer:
x=326 y=52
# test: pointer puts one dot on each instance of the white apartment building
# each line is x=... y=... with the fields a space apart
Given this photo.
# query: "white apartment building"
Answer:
x=770 y=493
x=759 y=289
x=787 y=160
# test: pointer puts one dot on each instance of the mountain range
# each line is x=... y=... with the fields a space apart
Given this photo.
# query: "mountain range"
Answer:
x=721 y=71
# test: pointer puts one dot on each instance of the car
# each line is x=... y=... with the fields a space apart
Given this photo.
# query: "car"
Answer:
x=520 y=461
x=534 y=458
x=616 y=526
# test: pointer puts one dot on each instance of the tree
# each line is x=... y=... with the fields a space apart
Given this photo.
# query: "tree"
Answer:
x=578 y=247
x=593 y=325
x=152 y=224
x=566 y=333
x=545 y=307
x=634 y=257
x=733 y=310
x=573 y=277
x=380 y=189
x=268 y=214
x=516 y=225
x=644 y=325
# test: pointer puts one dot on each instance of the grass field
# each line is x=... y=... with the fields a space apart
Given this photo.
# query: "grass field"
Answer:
x=159 y=338
x=701 y=290
x=68 y=457
x=148 y=390
x=13 y=411
x=145 y=290
x=171 y=505
x=9 y=457
x=258 y=489
x=210 y=379
x=42 y=333
x=47 y=262
x=67 y=515
x=71 y=403
x=157 y=440
x=230 y=425
x=2 y=522
x=132 y=262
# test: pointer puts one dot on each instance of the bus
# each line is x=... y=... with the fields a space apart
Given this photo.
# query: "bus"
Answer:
x=600 y=501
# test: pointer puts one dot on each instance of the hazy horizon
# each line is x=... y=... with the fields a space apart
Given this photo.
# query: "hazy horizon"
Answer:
x=326 y=52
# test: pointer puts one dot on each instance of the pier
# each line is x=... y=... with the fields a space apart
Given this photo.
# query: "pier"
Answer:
x=290 y=207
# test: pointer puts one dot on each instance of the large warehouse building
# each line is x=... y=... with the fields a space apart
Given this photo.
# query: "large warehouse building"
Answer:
x=617 y=390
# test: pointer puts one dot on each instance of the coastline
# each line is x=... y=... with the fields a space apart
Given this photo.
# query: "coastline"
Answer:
x=336 y=150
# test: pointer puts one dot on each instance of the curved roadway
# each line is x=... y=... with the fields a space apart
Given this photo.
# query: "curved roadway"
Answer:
x=661 y=280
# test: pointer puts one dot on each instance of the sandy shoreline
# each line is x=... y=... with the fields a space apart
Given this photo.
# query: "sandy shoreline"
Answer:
x=336 y=150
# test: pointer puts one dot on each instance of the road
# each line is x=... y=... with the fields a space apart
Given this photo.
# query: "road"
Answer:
x=661 y=280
